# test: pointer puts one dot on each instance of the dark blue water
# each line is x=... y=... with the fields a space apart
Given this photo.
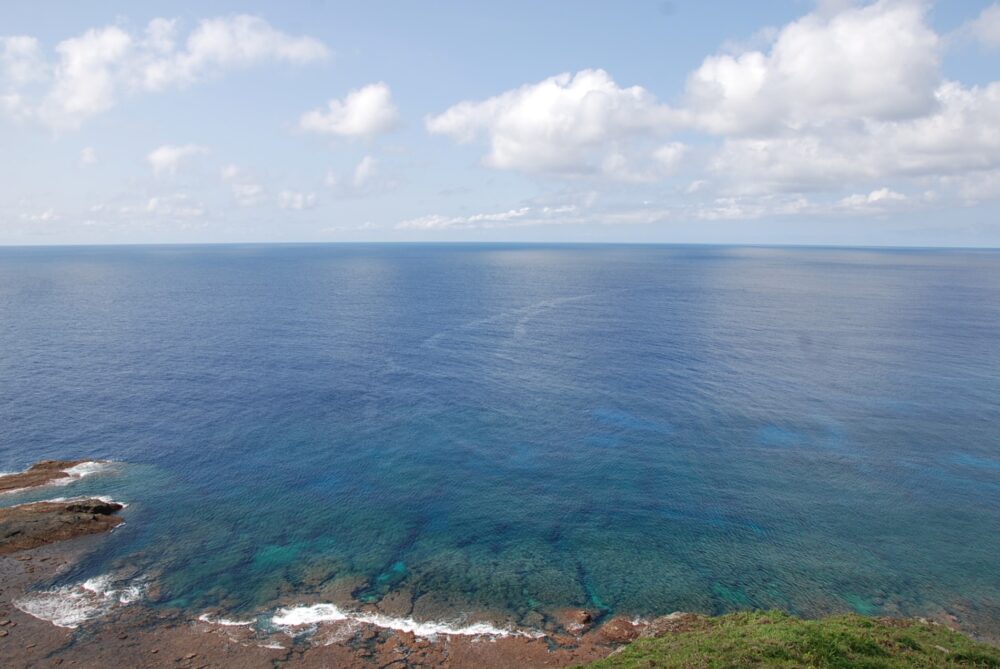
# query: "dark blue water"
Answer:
x=520 y=428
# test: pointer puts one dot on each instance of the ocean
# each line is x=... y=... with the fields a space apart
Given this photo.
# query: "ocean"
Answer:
x=495 y=432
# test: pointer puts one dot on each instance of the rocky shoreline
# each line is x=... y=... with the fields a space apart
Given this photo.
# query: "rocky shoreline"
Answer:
x=31 y=525
x=40 y=541
x=41 y=473
x=141 y=636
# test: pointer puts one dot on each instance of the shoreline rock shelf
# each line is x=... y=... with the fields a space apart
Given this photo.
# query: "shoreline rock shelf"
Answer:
x=28 y=526
x=41 y=473
x=141 y=635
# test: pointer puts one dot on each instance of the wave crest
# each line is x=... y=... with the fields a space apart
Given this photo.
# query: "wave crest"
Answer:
x=72 y=605
x=301 y=616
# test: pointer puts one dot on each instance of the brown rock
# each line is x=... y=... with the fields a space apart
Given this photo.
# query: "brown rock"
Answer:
x=32 y=525
x=94 y=506
x=618 y=630
x=574 y=620
x=675 y=622
x=40 y=473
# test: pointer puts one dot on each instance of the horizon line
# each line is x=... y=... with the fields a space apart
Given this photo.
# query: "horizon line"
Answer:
x=505 y=242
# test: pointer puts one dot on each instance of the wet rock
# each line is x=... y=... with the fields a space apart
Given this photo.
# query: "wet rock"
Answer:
x=32 y=525
x=618 y=630
x=94 y=506
x=40 y=473
x=398 y=604
x=574 y=620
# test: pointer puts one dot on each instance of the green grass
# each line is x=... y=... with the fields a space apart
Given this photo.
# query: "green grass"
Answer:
x=770 y=639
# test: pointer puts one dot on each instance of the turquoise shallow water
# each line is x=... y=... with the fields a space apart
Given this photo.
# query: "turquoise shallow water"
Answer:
x=520 y=428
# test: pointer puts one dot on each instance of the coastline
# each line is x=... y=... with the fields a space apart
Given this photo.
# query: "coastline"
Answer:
x=132 y=633
x=49 y=472
x=105 y=621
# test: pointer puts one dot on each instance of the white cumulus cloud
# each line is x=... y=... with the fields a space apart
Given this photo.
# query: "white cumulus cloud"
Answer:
x=167 y=159
x=879 y=61
x=90 y=72
x=218 y=44
x=246 y=190
x=849 y=97
x=365 y=112
x=364 y=180
x=986 y=27
x=85 y=77
x=881 y=196
x=21 y=59
x=569 y=123
x=364 y=172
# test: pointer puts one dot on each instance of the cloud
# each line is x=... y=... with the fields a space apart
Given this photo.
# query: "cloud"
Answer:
x=167 y=159
x=44 y=216
x=958 y=136
x=177 y=205
x=879 y=62
x=88 y=156
x=876 y=197
x=364 y=180
x=846 y=98
x=972 y=188
x=986 y=27
x=21 y=60
x=571 y=124
x=91 y=71
x=524 y=215
x=365 y=112
x=85 y=81
x=172 y=206
x=216 y=45
x=364 y=172
x=246 y=191
x=297 y=201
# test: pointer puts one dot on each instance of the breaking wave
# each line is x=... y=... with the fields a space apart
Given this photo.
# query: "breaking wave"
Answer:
x=300 y=616
x=73 y=605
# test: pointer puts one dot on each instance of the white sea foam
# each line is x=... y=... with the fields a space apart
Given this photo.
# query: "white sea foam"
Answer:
x=300 y=616
x=81 y=498
x=83 y=470
x=75 y=473
x=226 y=622
x=72 y=605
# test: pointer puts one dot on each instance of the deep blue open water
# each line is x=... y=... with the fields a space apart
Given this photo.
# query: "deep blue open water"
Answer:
x=516 y=428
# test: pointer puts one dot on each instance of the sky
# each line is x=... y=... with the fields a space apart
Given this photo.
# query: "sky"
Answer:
x=786 y=122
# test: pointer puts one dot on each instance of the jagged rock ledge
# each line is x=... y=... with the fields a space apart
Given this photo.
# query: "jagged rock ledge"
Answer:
x=41 y=473
x=28 y=526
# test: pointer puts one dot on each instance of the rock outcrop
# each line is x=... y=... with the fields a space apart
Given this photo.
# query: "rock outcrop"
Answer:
x=40 y=473
x=32 y=525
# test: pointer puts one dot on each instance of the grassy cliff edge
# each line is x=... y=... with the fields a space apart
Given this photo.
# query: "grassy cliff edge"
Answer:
x=772 y=639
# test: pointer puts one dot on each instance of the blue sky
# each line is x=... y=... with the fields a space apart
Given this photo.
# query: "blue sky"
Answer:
x=793 y=122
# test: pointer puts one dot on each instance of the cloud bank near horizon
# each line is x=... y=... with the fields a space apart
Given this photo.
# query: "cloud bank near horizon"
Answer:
x=845 y=111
